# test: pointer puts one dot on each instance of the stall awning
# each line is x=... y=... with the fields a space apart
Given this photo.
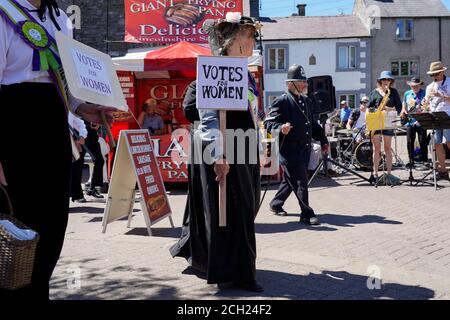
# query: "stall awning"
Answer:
x=178 y=61
x=175 y=61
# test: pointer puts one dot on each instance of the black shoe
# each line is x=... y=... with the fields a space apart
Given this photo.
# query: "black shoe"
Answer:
x=409 y=165
x=442 y=176
x=82 y=200
x=252 y=286
x=311 y=221
x=94 y=193
x=279 y=212
x=374 y=179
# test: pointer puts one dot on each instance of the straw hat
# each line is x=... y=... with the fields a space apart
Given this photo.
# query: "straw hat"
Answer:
x=436 y=67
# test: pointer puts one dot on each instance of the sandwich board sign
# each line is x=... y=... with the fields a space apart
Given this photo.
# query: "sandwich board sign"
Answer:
x=135 y=162
x=90 y=74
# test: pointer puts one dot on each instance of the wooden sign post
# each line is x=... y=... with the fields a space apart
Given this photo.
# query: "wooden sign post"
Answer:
x=222 y=84
x=135 y=162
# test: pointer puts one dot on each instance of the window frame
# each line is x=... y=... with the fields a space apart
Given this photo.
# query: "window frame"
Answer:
x=355 y=58
x=410 y=62
x=347 y=98
x=403 y=37
x=277 y=48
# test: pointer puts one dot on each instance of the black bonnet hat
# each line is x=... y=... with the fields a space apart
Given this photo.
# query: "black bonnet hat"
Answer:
x=221 y=32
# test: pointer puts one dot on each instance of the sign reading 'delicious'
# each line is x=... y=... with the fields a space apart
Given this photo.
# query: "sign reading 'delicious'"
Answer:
x=92 y=73
x=222 y=83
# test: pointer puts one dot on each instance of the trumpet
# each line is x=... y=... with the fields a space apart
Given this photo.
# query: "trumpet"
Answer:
x=431 y=100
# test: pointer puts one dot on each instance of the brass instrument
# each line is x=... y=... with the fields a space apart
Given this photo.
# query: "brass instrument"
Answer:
x=384 y=101
x=426 y=102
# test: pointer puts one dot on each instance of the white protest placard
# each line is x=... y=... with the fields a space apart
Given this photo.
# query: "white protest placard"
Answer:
x=222 y=83
x=90 y=74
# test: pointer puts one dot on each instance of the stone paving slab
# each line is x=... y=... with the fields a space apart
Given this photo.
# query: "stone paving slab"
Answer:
x=403 y=233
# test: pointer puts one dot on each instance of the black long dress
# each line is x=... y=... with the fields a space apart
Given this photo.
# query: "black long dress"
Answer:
x=194 y=249
x=225 y=254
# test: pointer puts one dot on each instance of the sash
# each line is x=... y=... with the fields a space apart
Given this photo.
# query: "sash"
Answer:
x=45 y=50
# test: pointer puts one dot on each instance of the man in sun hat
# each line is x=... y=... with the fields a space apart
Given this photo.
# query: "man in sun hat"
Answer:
x=412 y=100
x=438 y=98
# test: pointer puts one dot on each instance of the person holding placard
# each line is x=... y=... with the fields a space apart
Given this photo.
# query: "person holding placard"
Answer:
x=28 y=64
x=229 y=253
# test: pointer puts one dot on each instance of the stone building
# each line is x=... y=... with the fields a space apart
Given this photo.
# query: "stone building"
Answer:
x=406 y=36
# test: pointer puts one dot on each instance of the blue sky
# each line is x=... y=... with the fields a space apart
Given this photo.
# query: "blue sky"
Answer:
x=282 y=8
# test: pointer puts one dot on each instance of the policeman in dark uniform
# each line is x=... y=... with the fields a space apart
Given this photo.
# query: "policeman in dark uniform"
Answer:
x=292 y=113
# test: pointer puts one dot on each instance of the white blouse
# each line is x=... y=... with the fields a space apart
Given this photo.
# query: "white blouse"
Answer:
x=78 y=124
x=16 y=57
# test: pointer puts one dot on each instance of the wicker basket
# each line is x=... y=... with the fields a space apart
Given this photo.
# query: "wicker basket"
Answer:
x=16 y=256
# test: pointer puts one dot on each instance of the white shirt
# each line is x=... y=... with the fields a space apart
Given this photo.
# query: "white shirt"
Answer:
x=439 y=104
x=361 y=120
x=16 y=56
x=78 y=124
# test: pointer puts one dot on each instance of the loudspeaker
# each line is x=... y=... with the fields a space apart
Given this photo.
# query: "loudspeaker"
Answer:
x=323 y=94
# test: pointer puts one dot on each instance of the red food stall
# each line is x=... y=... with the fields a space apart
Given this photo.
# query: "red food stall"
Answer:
x=159 y=78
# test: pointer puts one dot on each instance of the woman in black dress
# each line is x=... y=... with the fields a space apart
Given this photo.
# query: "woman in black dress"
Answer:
x=224 y=255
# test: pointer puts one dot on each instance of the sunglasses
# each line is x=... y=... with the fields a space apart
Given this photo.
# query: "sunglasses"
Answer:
x=435 y=75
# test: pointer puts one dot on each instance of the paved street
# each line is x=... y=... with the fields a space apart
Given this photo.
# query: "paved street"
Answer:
x=401 y=234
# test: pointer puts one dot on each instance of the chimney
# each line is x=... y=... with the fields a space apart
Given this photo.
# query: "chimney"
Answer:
x=254 y=9
x=301 y=10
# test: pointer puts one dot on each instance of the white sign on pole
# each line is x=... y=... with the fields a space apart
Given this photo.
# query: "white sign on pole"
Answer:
x=222 y=83
x=90 y=74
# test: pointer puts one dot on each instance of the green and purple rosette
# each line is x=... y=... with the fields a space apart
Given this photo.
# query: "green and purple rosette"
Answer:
x=37 y=37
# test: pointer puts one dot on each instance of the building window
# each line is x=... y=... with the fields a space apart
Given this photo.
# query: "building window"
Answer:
x=404 y=29
x=312 y=60
x=350 y=98
x=404 y=68
x=347 y=57
x=277 y=58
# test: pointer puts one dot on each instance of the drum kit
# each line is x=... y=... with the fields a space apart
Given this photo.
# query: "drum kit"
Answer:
x=354 y=148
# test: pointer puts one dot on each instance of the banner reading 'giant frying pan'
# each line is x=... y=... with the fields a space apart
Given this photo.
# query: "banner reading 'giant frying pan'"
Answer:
x=171 y=21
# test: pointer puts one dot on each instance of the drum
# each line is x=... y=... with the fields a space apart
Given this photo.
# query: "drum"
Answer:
x=345 y=148
x=364 y=156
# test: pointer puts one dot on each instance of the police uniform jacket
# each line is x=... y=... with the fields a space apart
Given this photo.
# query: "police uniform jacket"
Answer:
x=296 y=146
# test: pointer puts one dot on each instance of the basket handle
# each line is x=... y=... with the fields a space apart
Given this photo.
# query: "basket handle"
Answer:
x=8 y=200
